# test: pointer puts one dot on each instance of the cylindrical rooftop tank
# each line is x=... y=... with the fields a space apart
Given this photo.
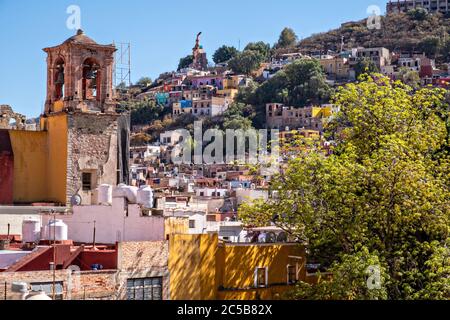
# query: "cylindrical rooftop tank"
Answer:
x=31 y=230
x=39 y=295
x=145 y=197
x=105 y=194
x=57 y=230
x=128 y=192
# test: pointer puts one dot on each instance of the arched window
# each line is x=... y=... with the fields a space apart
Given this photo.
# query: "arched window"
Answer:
x=58 y=79
x=91 y=80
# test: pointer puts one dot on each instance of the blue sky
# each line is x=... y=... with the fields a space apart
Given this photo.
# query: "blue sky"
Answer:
x=160 y=32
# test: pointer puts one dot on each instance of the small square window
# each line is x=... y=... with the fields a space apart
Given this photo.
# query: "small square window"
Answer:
x=261 y=277
x=144 y=289
x=47 y=287
x=191 y=224
x=87 y=181
x=292 y=274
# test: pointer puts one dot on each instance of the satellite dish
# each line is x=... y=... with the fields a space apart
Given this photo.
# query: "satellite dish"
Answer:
x=75 y=200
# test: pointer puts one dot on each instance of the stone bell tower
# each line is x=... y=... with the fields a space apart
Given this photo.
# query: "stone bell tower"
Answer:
x=79 y=76
x=88 y=139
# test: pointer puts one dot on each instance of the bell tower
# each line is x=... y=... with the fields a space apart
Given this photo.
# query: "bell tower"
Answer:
x=79 y=76
x=88 y=141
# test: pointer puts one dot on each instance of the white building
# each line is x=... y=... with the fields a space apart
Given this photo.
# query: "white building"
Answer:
x=170 y=138
x=211 y=192
x=121 y=221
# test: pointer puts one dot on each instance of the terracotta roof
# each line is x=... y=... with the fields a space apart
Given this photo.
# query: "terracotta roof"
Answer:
x=81 y=38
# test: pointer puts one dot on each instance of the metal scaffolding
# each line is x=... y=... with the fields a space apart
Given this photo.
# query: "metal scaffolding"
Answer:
x=122 y=64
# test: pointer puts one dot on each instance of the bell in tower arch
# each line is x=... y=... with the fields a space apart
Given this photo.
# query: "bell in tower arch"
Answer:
x=60 y=76
x=91 y=74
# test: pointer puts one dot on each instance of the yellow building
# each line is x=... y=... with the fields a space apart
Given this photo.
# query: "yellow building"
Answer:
x=202 y=268
x=228 y=93
x=337 y=67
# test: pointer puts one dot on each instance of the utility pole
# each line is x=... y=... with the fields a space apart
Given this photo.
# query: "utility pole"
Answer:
x=93 y=237
x=54 y=257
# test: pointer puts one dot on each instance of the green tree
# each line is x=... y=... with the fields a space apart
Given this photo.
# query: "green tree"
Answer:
x=237 y=122
x=245 y=62
x=364 y=66
x=185 y=62
x=418 y=14
x=238 y=116
x=224 y=54
x=445 y=50
x=381 y=198
x=410 y=77
x=144 y=82
x=349 y=280
x=430 y=45
x=144 y=111
x=301 y=83
x=261 y=48
x=288 y=38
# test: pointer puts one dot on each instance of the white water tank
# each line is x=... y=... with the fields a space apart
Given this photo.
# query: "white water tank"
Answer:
x=39 y=295
x=57 y=230
x=145 y=197
x=105 y=194
x=31 y=230
x=128 y=192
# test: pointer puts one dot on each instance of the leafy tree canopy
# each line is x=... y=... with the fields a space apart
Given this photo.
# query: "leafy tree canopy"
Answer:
x=381 y=199
x=301 y=83
x=144 y=82
x=287 y=38
x=245 y=62
x=185 y=62
x=261 y=48
x=224 y=54
x=364 y=66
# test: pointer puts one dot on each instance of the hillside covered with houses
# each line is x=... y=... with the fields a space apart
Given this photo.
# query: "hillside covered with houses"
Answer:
x=240 y=89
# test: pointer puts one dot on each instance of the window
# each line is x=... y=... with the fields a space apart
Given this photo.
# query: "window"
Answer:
x=47 y=287
x=144 y=289
x=87 y=181
x=292 y=274
x=191 y=224
x=261 y=275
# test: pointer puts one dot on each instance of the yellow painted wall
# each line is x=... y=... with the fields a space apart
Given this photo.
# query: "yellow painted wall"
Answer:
x=272 y=293
x=199 y=266
x=57 y=157
x=30 y=165
x=323 y=112
x=58 y=106
x=192 y=267
x=175 y=225
x=230 y=93
x=40 y=162
x=273 y=256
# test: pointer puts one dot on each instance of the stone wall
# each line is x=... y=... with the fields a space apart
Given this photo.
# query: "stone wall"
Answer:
x=92 y=146
x=88 y=285
x=135 y=260
x=144 y=260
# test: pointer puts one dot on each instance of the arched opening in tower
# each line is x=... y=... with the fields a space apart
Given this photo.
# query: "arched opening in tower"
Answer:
x=59 y=79
x=91 y=80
